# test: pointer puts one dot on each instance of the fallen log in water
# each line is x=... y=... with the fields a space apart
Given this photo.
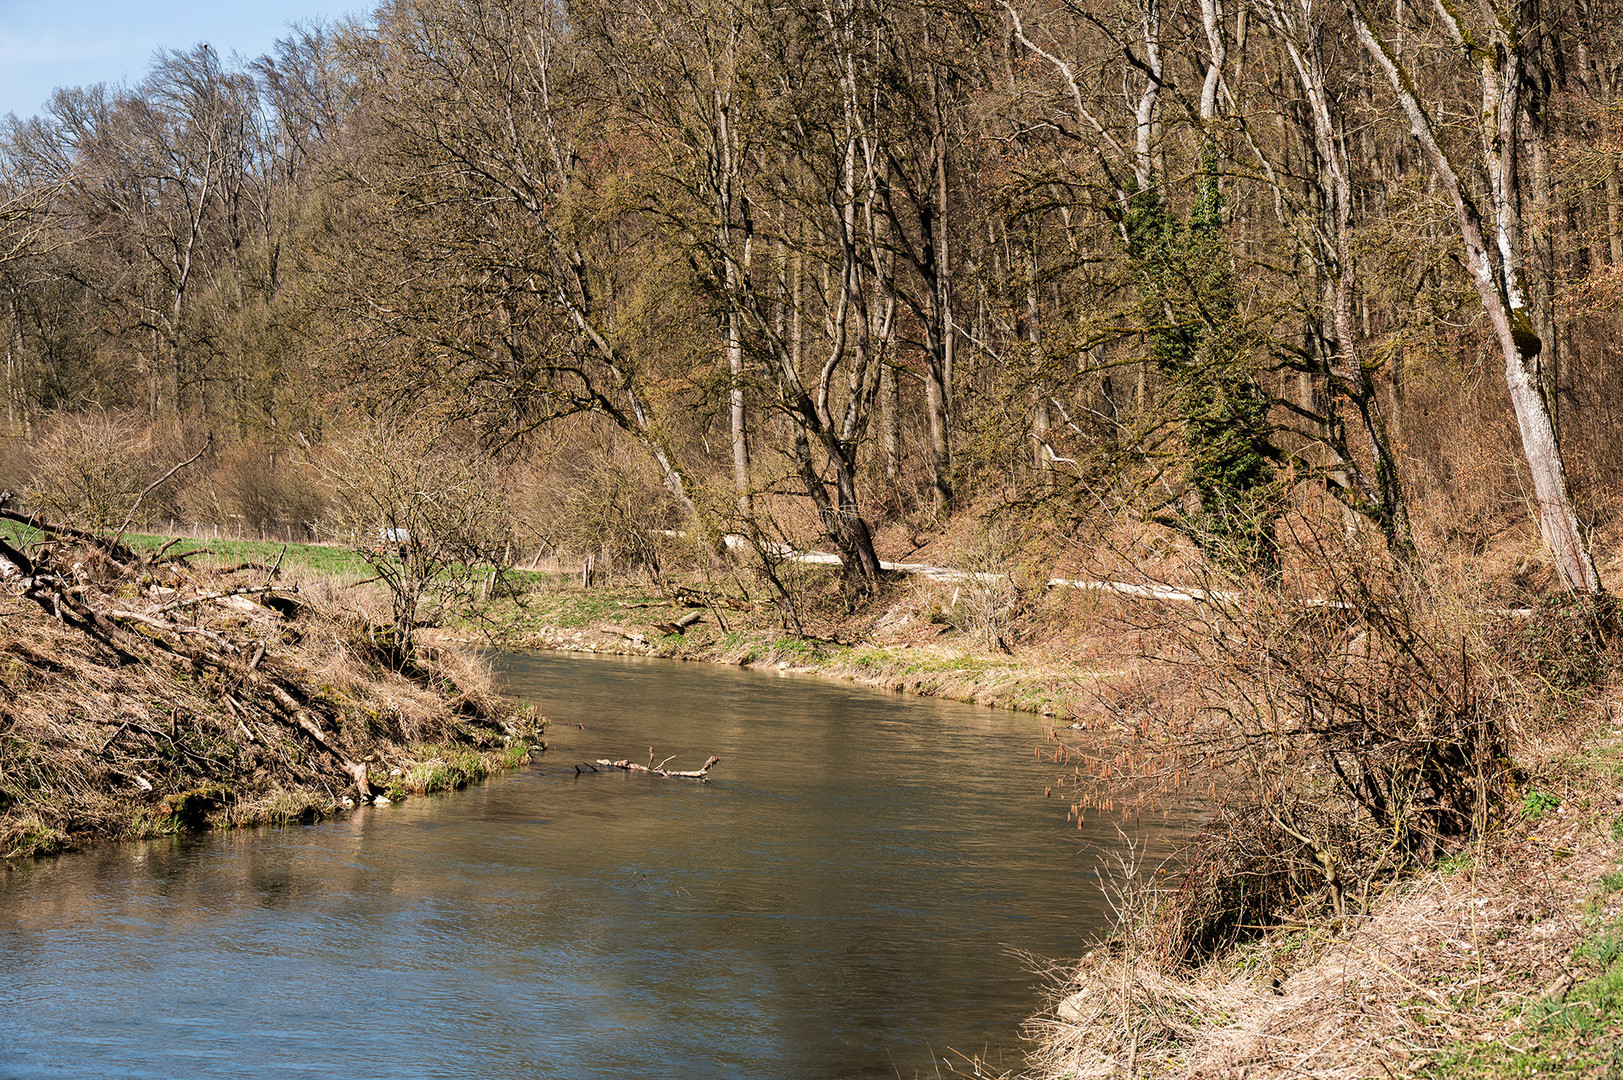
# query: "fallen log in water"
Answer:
x=651 y=769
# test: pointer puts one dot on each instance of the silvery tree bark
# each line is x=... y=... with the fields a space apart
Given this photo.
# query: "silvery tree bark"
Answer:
x=1496 y=267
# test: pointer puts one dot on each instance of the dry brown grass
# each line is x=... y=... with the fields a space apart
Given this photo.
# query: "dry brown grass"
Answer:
x=150 y=707
x=1445 y=957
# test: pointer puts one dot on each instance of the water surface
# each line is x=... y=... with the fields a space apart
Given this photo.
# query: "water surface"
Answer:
x=844 y=899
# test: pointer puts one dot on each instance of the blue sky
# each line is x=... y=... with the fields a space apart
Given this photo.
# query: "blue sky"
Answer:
x=46 y=44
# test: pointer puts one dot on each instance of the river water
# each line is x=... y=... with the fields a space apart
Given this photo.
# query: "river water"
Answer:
x=846 y=898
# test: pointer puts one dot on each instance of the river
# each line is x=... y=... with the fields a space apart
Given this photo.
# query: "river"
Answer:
x=849 y=897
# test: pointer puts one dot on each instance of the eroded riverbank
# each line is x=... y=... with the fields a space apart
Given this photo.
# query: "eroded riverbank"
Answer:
x=140 y=696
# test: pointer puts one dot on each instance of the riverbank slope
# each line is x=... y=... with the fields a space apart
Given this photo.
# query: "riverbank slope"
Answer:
x=142 y=696
x=1501 y=953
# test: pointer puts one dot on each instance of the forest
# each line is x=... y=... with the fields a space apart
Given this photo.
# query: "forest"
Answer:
x=1298 y=317
x=796 y=273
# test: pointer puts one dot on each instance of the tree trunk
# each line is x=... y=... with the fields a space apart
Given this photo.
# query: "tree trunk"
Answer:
x=1499 y=286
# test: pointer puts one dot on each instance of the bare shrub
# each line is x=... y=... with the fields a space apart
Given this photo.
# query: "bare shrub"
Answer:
x=1348 y=727
x=1466 y=482
x=996 y=589
x=88 y=468
x=267 y=492
x=1560 y=650
x=1119 y=1011
x=257 y=489
x=611 y=509
x=430 y=517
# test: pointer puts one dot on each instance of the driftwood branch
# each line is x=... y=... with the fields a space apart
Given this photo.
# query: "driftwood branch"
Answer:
x=658 y=770
x=161 y=556
x=236 y=568
x=14 y=564
x=173 y=628
x=307 y=723
x=117 y=553
x=248 y=590
x=680 y=626
x=694 y=598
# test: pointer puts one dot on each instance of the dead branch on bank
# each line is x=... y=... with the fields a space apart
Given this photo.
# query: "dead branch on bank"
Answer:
x=226 y=594
x=258 y=706
x=679 y=626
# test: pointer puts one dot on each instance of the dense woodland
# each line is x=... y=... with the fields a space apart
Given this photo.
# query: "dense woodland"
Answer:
x=796 y=271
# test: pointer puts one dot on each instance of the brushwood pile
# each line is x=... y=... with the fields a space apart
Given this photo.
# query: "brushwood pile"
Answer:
x=142 y=693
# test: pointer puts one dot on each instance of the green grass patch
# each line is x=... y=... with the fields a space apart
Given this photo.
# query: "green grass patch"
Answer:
x=1578 y=1033
x=450 y=769
x=446 y=772
x=576 y=609
x=804 y=650
x=17 y=535
x=1536 y=805
x=948 y=665
x=514 y=756
x=33 y=837
x=316 y=557
x=321 y=558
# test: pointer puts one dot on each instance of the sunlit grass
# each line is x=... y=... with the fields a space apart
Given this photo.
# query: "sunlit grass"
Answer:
x=328 y=560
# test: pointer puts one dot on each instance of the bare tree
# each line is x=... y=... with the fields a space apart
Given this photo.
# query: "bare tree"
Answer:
x=428 y=515
x=740 y=138
x=508 y=271
x=1493 y=242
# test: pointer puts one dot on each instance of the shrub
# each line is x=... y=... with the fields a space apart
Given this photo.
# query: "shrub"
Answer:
x=429 y=516
x=996 y=591
x=267 y=493
x=88 y=468
x=609 y=510
x=1349 y=727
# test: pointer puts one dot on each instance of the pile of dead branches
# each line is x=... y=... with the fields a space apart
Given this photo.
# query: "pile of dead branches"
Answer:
x=140 y=693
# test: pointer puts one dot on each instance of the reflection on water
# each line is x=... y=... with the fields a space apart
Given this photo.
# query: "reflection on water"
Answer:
x=840 y=901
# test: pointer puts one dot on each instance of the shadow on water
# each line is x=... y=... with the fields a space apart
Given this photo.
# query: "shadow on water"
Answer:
x=841 y=901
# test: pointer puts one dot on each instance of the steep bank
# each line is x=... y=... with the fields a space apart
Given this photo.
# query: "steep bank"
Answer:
x=140 y=696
